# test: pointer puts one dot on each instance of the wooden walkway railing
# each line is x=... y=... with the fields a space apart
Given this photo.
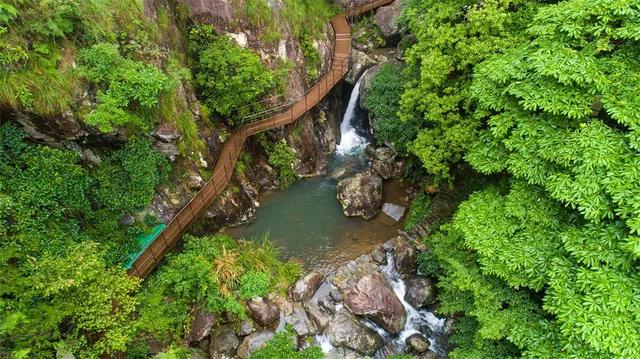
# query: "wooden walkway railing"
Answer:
x=224 y=167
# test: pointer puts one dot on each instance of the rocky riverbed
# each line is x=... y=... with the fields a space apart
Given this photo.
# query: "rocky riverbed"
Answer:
x=373 y=306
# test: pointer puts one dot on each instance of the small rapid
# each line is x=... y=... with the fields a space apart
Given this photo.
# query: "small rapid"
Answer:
x=419 y=321
x=350 y=141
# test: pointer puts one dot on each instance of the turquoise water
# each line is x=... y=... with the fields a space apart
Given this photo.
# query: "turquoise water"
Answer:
x=306 y=222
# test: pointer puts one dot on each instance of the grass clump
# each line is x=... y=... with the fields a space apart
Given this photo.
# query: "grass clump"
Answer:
x=282 y=157
x=418 y=209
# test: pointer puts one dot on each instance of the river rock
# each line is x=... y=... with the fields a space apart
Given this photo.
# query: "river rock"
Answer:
x=300 y=322
x=306 y=286
x=379 y=256
x=386 y=18
x=246 y=327
x=386 y=170
x=373 y=298
x=200 y=326
x=253 y=342
x=404 y=255
x=361 y=195
x=420 y=291
x=224 y=343
x=417 y=344
x=262 y=311
x=393 y=210
x=346 y=331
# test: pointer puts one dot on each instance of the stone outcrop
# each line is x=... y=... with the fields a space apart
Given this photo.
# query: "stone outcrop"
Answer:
x=396 y=212
x=361 y=195
x=366 y=292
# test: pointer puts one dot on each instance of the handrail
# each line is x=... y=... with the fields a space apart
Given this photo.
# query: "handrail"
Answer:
x=228 y=155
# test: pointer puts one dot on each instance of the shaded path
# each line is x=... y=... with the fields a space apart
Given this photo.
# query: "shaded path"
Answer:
x=223 y=170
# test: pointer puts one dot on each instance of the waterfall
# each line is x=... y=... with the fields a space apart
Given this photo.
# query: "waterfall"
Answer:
x=350 y=141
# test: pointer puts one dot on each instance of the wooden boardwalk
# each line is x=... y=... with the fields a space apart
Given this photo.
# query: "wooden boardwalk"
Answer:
x=224 y=167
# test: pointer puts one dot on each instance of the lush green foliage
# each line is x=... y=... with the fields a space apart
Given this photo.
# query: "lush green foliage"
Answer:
x=383 y=103
x=129 y=90
x=544 y=264
x=60 y=241
x=283 y=345
x=214 y=273
x=452 y=37
x=38 y=39
x=228 y=75
x=366 y=32
x=418 y=209
x=282 y=157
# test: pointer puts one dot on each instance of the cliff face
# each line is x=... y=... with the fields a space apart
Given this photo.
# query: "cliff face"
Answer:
x=311 y=138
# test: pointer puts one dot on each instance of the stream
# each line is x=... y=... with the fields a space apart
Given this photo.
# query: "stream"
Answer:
x=307 y=224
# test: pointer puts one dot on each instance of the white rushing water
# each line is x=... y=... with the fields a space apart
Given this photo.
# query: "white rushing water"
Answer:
x=350 y=141
x=418 y=320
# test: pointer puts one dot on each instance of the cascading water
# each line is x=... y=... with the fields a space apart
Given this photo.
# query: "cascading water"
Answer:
x=350 y=140
x=419 y=320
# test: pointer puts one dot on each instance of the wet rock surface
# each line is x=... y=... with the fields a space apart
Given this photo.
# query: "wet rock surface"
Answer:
x=417 y=344
x=306 y=286
x=373 y=298
x=346 y=331
x=421 y=291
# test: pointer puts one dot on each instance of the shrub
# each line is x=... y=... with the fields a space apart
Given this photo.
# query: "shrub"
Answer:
x=283 y=345
x=216 y=273
x=227 y=75
x=383 y=103
x=129 y=90
x=254 y=284
x=282 y=157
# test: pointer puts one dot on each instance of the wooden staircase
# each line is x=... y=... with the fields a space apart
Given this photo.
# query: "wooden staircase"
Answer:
x=224 y=167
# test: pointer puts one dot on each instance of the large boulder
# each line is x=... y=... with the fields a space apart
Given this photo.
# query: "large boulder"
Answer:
x=386 y=18
x=374 y=298
x=306 y=286
x=200 y=326
x=262 y=311
x=420 y=291
x=361 y=195
x=346 y=331
x=224 y=343
x=253 y=342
